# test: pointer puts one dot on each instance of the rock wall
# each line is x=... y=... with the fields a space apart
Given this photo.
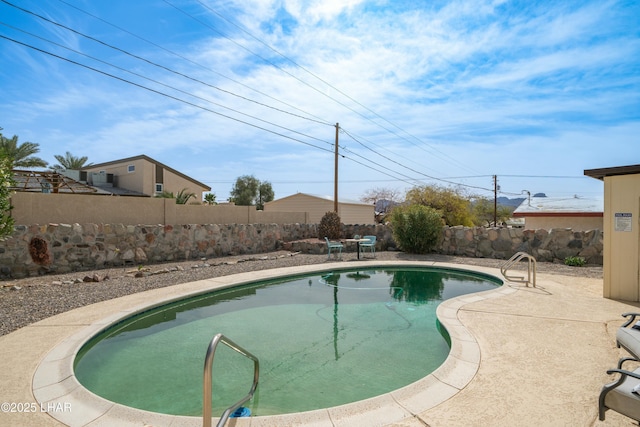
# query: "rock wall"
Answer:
x=501 y=243
x=61 y=248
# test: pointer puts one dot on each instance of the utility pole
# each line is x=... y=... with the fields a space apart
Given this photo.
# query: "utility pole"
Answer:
x=495 y=200
x=335 y=177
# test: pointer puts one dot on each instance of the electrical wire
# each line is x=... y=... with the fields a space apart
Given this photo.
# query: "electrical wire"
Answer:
x=408 y=178
x=297 y=78
x=413 y=170
x=139 y=75
x=160 y=66
x=165 y=85
x=161 y=93
x=326 y=83
x=156 y=64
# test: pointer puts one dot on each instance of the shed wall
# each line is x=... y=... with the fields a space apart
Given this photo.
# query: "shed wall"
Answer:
x=316 y=208
x=621 y=261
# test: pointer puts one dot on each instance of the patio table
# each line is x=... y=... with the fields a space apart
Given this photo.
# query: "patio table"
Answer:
x=357 y=242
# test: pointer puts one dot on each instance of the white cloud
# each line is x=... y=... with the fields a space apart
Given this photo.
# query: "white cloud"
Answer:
x=477 y=88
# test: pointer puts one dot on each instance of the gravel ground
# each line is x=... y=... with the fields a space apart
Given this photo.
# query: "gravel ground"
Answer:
x=29 y=300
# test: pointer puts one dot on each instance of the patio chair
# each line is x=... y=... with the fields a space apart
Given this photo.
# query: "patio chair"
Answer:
x=621 y=395
x=334 y=246
x=370 y=244
x=628 y=335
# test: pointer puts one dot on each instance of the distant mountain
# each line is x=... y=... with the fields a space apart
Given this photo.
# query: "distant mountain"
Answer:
x=505 y=201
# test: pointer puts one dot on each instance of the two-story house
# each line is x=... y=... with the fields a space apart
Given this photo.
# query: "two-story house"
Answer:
x=142 y=176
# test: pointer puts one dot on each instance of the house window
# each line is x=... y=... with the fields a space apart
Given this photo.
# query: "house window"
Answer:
x=131 y=168
x=159 y=188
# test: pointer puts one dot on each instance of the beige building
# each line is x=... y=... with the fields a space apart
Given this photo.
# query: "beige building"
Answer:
x=350 y=212
x=621 y=260
x=576 y=213
x=140 y=176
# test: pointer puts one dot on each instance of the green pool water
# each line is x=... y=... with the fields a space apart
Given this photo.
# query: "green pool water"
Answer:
x=322 y=340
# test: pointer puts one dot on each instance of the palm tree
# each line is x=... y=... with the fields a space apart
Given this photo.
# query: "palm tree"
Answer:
x=183 y=196
x=20 y=155
x=69 y=161
x=210 y=198
x=166 y=195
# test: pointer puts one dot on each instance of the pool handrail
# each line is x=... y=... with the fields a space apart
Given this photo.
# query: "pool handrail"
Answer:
x=207 y=380
x=531 y=269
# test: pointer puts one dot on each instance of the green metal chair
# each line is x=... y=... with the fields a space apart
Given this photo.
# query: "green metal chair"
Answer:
x=368 y=245
x=334 y=246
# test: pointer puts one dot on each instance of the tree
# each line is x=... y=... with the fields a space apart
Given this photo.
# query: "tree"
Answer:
x=6 y=182
x=265 y=194
x=454 y=207
x=210 y=199
x=244 y=190
x=483 y=210
x=166 y=195
x=183 y=196
x=249 y=191
x=20 y=156
x=69 y=161
x=384 y=199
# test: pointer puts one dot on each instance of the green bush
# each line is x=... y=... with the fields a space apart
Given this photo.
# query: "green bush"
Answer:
x=6 y=181
x=330 y=226
x=416 y=228
x=575 y=261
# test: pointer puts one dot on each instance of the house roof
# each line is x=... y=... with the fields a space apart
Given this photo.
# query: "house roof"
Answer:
x=150 y=160
x=328 y=198
x=614 y=171
x=50 y=182
x=54 y=182
x=560 y=206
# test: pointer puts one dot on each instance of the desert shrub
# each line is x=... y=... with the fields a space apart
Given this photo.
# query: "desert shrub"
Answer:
x=416 y=228
x=330 y=226
x=575 y=261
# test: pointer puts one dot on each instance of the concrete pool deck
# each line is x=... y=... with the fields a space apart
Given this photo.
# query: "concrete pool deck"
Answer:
x=521 y=356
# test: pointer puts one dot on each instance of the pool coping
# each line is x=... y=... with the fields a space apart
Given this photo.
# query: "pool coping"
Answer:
x=54 y=383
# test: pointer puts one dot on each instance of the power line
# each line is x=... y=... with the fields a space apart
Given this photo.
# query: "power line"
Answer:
x=156 y=64
x=208 y=69
x=165 y=85
x=300 y=80
x=446 y=180
x=137 y=74
x=161 y=93
x=413 y=170
x=177 y=73
x=547 y=176
x=324 y=82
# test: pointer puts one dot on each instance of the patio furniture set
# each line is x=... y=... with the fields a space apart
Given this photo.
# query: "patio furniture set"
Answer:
x=623 y=395
x=363 y=244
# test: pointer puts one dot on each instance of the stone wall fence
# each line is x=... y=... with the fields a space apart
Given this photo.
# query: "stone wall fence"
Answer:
x=501 y=243
x=61 y=248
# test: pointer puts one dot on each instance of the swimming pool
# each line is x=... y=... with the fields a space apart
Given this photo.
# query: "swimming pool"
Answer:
x=366 y=332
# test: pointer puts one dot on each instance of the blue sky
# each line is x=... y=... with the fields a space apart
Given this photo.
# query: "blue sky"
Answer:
x=428 y=92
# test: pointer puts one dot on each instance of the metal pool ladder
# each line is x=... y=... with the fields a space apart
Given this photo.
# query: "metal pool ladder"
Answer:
x=531 y=269
x=207 y=380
